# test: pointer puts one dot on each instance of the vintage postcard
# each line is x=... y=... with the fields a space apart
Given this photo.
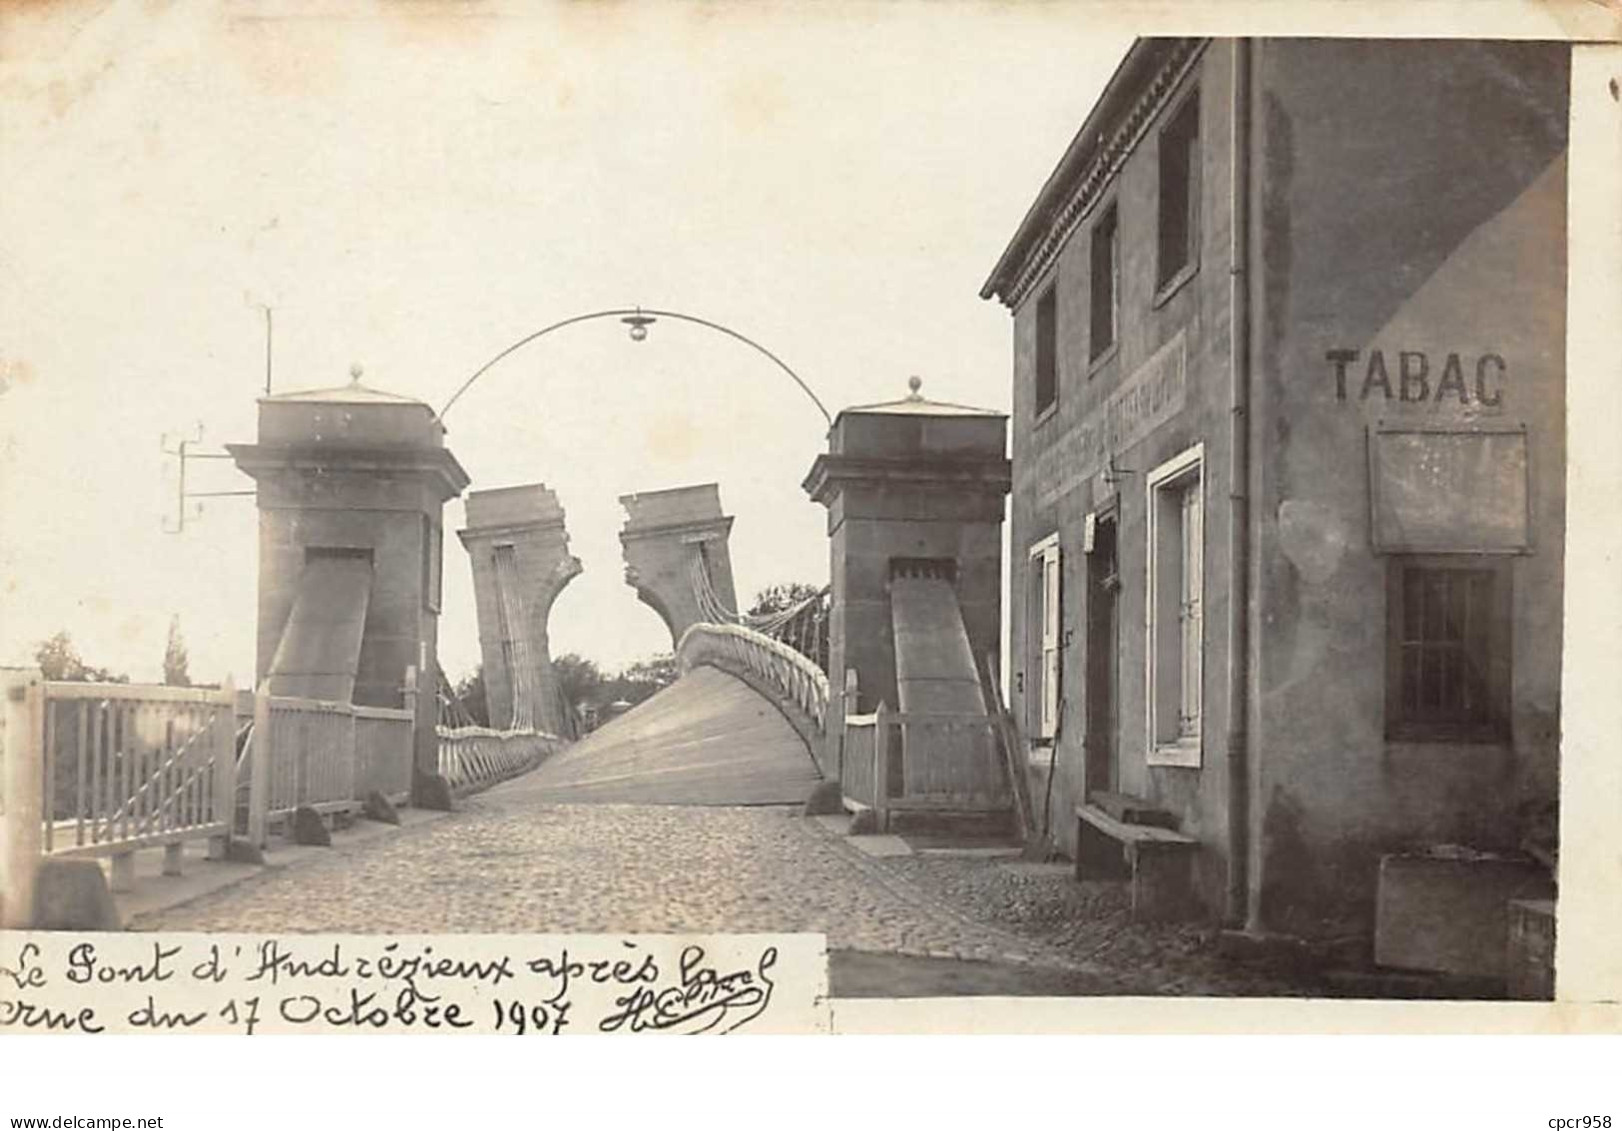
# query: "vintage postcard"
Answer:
x=785 y=518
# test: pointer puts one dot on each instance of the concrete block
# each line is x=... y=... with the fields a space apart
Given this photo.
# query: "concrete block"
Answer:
x=1162 y=882
x=825 y=800
x=432 y=792
x=380 y=808
x=1449 y=913
x=310 y=828
x=72 y=895
x=243 y=852
x=1530 y=960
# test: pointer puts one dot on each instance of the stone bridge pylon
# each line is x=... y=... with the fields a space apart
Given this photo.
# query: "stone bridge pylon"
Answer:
x=519 y=548
x=677 y=557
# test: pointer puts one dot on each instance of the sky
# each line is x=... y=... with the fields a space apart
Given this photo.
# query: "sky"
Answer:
x=412 y=189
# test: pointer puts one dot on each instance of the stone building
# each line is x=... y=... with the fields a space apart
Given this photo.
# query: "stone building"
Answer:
x=1287 y=515
x=352 y=483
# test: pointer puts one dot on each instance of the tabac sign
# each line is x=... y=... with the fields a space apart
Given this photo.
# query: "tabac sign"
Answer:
x=1150 y=396
x=1416 y=377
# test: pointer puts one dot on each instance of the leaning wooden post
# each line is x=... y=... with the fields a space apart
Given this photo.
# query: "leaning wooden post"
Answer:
x=259 y=769
x=881 y=767
x=22 y=788
x=848 y=702
x=225 y=772
x=409 y=692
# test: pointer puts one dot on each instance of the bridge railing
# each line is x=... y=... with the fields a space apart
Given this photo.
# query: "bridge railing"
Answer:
x=768 y=664
x=320 y=755
x=473 y=757
x=383 y=751
x=125 y=766
x=911 y=761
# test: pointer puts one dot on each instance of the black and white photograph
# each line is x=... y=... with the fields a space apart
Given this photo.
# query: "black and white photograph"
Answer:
x=775 y=518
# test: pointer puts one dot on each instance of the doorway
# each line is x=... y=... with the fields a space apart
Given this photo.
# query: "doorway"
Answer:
x=1103 y=625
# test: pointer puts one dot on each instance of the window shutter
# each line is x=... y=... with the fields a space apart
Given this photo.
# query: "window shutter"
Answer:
x=1051 y=600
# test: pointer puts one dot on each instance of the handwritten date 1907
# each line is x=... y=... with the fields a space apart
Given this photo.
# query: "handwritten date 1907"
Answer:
x=529 y=1019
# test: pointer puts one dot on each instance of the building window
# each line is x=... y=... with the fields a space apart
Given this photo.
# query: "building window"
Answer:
x=1042 y=626
x=1447 y=662
x=1106 y=278
x=1179 y=190
x=1176 y=608
x=1047 y=350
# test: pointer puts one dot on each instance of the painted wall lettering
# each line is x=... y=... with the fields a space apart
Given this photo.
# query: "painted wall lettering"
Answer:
x=1414 y=378
x=1154 y=393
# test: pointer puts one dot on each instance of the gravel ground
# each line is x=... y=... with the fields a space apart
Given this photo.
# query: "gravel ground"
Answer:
x=1090 y=925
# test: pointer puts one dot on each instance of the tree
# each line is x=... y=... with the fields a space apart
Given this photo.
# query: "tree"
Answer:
x=580 y=679
x=175 y=658
x=778 y=598
x=469 y=692
x=807 y=632
x=638 y=681
x=655 y=673
x=59 y=659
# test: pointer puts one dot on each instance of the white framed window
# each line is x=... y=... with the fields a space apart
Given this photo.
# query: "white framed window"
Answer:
x=1175 y=608
x=1043 y=631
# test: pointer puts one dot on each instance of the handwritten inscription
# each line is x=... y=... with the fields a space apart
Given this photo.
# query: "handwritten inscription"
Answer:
x=517 y=985
x=1414 y=377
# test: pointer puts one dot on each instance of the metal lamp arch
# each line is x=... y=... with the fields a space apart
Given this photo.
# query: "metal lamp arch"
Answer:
x=638 y=318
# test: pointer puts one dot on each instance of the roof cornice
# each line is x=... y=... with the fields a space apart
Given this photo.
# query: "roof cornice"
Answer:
x=1134 y=95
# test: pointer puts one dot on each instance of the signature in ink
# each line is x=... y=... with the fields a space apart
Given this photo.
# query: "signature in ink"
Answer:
x=704 y=1000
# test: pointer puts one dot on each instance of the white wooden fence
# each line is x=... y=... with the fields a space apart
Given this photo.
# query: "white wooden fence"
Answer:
x=898 y=761
x=121 y=767
x=105 y=770
x=325 y=756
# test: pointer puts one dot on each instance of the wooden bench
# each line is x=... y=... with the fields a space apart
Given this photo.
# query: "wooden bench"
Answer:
x=1158 y=861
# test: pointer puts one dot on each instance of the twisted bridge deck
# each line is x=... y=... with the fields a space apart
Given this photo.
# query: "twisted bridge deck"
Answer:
x=708 y=739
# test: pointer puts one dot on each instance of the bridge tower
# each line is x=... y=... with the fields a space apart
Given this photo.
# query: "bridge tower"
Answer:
x=676 y=555
x=519 y=549
x=351 y=487
x=914 y=490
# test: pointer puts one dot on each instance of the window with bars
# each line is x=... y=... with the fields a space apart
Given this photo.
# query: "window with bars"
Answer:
x=1176 y=598
x=1447 y=666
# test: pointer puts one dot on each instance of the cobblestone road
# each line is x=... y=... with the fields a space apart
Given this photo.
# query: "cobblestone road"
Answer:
x=506 y=864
